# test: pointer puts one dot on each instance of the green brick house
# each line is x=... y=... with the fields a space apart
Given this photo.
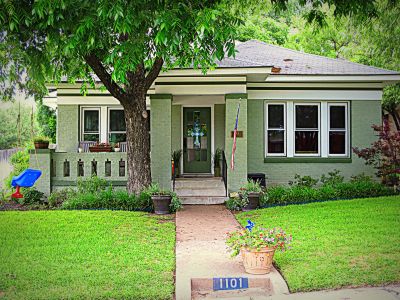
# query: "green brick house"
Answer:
x=299 y=113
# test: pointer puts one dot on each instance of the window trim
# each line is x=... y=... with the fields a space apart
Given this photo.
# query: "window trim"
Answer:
x=318 y=104
x=109 y=109
x=266 y=128
x=346 y=130
x=82 y=127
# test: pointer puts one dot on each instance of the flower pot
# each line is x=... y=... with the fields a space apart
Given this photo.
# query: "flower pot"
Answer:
x=117 y=149
x=257 y=261
x=161 y=204
x=41 y=145
x=254 y=201
x=217 y=172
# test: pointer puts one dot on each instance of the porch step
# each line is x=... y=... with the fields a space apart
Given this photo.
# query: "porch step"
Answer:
x=202 y=200
x=205 y=190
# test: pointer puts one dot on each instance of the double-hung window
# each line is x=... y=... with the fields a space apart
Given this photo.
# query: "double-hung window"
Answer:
x=338 y=128
x=91 y=124
x=276 y=129
x=116 y=126
x=306 y=135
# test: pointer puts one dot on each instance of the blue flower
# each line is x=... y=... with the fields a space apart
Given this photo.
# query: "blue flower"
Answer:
x=250 y=225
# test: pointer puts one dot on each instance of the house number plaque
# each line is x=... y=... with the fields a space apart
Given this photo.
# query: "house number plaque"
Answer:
x=230 y=283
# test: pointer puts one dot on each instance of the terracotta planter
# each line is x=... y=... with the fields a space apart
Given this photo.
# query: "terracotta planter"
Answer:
x=161 y=204
x=41 y=145
x=257 y=261
x=100 y=149
x=254 y=201
x=217 y=172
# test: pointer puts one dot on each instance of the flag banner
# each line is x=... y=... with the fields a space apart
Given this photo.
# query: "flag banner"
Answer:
x=235 y=132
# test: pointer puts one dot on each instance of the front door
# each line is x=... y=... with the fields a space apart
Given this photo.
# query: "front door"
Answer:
x=197 y=140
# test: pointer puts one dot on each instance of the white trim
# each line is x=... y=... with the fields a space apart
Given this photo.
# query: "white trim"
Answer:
x=330 y=78
x=324 y=127
x=345 y=130
x=266 y=128
x=217 y=71
x=212 y=133
x=82 y=121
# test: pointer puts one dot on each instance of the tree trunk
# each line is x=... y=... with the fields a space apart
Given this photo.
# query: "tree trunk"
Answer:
x=138 y=143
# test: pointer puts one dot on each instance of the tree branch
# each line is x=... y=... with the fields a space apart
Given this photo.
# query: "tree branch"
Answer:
x=94 y=62
x=152 y=75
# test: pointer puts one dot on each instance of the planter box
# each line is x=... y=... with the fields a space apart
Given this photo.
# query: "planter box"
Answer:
x=100 y=149
x=161 y=204
x=257 y=262
x=254 y=201
x=41 y=145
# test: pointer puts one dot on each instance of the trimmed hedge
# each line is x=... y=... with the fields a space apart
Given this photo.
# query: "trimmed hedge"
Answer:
x=280 y=195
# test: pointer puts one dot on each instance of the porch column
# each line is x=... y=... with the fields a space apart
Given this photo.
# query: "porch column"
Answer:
x=40 y=159
x=160 y=132
x=238 y=176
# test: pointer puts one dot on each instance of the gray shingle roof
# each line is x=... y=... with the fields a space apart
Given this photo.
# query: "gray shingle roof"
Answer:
x=255 y=53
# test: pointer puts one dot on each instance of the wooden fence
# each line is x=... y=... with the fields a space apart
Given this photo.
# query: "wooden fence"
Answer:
x=5 y=154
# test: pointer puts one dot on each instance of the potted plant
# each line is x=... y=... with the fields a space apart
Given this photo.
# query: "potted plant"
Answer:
x=117 y=148
x=257 y=246
x=217 y=162
x=176 y=158
x=250 y=195
x=100 y=147
x=41 y=142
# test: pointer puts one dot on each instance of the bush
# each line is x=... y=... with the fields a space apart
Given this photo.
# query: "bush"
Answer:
x=358 y=187
x=32 y=196
x=20 y=162
x=306 y=181
x=92 y=184
x=57 y=198
x=333 y=178
x=234 y=203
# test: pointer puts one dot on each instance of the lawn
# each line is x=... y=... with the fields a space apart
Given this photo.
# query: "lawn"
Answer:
x=86 y=254
x=337 y=243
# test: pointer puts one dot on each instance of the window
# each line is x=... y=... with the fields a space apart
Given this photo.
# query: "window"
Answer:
x=91 y=124
x=306 y=129
x=116 y=126
x=275 y=129
x=337 y=127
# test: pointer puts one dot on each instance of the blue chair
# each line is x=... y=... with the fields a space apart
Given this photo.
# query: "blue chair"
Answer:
x=26 y=179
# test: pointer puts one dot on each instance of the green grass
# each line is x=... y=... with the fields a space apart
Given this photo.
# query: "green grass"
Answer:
x=86 y=254
x=337 y=243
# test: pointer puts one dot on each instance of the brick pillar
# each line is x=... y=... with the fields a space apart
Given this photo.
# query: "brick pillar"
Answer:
x=238 y=176
x=42 y=161
x=160 y=131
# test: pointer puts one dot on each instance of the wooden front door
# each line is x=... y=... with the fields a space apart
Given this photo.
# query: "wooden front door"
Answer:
x=196 y=140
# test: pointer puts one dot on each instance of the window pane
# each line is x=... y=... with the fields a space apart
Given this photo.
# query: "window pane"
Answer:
x=276 y=142
x=275 y=116
x=117 y=120
x=91 y=121
x=117 y=137
x=337 y=117
x=306 y=142
x=306 y=116
x=337 y=142
x=91 y=137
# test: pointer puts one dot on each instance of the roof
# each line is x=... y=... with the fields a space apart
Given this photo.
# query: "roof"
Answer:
x=255 y=53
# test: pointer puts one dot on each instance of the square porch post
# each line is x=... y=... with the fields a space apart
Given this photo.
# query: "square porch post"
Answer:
x=238 y=176
x=160 y=137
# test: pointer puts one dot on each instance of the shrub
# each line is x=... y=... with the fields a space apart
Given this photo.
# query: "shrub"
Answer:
x=92 y=184
x=57 y=198
x=333 y=178
x=307 y=181
x=234 y=203
x=32 y=196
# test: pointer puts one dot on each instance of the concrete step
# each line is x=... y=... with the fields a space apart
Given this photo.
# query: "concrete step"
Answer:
x=203 y=200
x=211 y=192
x=197 y=183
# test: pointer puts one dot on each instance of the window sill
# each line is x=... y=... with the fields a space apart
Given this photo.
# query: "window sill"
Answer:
x=307 y=160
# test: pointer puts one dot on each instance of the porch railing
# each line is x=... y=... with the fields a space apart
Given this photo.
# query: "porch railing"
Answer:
x=225 y=173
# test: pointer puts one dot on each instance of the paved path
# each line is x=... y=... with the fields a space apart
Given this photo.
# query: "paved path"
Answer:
x=201 y=251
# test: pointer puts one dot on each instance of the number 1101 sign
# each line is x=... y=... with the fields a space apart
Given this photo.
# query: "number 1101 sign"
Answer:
x=230 y=283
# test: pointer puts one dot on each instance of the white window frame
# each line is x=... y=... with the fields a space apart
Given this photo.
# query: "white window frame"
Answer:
x=109 y=109
x=318 y=104
x=345 y=130
x=266 y=128
x=83 y=109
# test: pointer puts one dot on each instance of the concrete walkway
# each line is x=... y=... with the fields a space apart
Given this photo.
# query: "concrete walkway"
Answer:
x=201 y=251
